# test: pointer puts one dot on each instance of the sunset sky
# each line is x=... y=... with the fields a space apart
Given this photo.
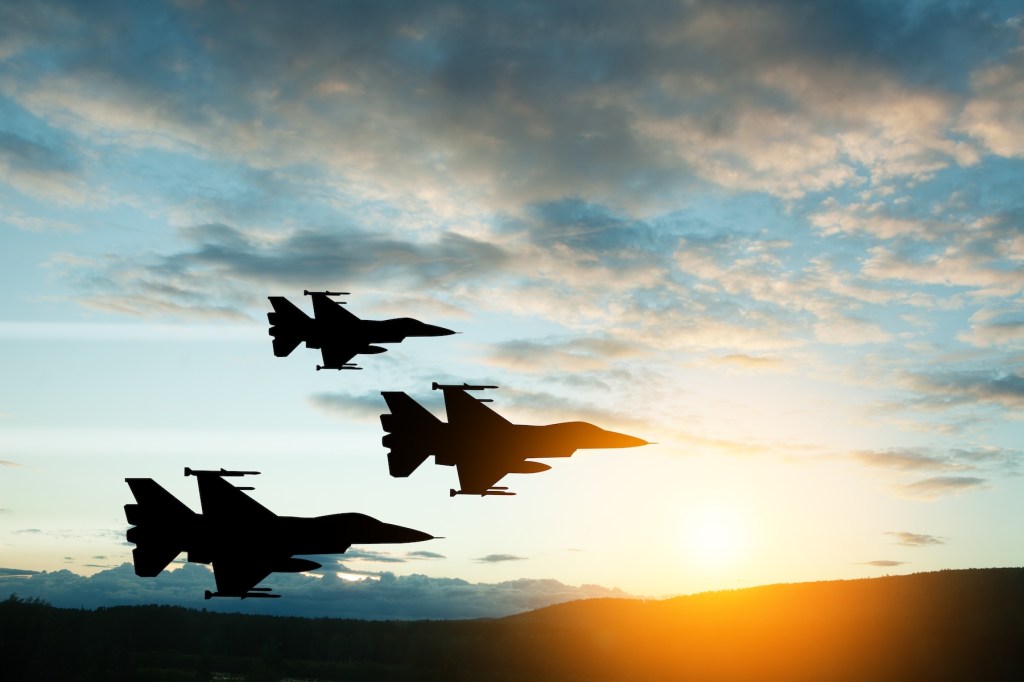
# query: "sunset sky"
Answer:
x=782 y=240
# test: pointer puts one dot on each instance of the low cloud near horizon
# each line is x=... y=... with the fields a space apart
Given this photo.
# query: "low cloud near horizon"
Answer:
x=389 y=597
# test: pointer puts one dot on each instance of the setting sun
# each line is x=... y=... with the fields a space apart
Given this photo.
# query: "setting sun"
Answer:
x=715 y=535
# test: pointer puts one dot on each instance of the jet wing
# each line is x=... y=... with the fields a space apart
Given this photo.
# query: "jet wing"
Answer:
x=477 y=476
x=238 y=575
x=466 y=413
x=224 y=502
x=337 y=353
x=327 y=311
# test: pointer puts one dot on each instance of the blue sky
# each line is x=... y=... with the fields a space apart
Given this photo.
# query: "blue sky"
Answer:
x=781 y=239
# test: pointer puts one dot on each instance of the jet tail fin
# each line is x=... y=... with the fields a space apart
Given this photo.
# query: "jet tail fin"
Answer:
x=158 y=519
x=411 y=431
x=288 y=325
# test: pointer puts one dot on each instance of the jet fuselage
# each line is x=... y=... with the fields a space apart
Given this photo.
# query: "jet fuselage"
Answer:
x=519 y=441
x=205 y=539
x=370 y=331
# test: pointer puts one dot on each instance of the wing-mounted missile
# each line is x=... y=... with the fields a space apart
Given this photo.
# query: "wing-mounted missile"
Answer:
x=347 y=365
x=496 y=490
x=307 y=292
x=254 y=593
x=463 y=387
x=434 y=386
x=222 y=472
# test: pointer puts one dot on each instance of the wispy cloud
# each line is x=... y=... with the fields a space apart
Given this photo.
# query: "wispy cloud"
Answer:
x=586 y=354
x=937 y=486
x=916 y=539
x=370 y=555
x=211 y=279
x=16 y=573
x=946 y=388
x=367 y=406
x=884 y=563
x=908 y=460
x=499 y=558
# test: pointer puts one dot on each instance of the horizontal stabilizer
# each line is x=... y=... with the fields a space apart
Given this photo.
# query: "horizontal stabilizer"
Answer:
x=288 y=325
x=158 y=518
x=284 y=344
x=152 y=558
x=412 y=432
x=402 y=462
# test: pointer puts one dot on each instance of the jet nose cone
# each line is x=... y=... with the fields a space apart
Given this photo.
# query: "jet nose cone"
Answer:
x=611 y=439
x=434 y=330
x=387 y=532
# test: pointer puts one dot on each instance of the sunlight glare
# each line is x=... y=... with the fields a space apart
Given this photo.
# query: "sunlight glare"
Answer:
x=715 y=535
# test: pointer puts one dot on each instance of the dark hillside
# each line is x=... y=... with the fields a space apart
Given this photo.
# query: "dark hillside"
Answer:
x=950 y=625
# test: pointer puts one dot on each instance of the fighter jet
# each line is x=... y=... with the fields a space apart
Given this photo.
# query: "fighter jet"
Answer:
x=481 y=444
x=338 y=334
x=243 y=540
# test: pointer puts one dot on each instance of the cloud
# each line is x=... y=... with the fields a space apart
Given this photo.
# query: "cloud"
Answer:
x=424 y=554
x=24 y=154
x=499 y=558
x=949 y=388
x=31 y=223
x=956 y=265
x=849 y=330
x=513 y=104
x=752 y=363
x=995 y=328
x=571 y=355
x=993 y=113
x=390 y=597
x=916 y=539
x=212 y=278
x=368 y=406
x=9 y=463
x=355 y=553
x=15 y=573
x=937 y=486
x=40 y=170
x=884 y=563
x=988 y=460
x=908 y=460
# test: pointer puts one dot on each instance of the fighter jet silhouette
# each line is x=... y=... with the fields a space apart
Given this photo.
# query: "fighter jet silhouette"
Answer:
x=243 y=540
x=481 y=444
x=338 y=334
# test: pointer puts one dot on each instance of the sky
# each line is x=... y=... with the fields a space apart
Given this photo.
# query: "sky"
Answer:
x=782 y=240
